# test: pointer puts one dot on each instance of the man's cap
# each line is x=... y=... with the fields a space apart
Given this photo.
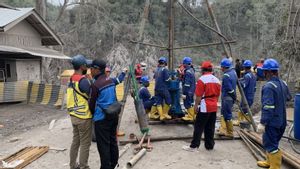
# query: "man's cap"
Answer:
x=99 y=64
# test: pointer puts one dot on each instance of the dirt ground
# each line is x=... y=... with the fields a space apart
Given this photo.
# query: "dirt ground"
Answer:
x=21 y=117
x=165 y=155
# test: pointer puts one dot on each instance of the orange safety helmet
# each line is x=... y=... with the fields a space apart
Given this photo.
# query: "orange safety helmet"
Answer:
x=206 y=65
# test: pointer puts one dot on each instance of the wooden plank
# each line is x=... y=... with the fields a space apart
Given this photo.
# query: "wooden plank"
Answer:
x=28 y=154
x=18 y=154
x=38 y=153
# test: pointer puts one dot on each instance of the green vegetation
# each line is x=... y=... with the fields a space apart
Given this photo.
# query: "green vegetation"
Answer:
x=95 y=27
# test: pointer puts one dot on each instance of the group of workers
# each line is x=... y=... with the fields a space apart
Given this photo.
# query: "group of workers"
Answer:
x=207 y=90
x=88 y=101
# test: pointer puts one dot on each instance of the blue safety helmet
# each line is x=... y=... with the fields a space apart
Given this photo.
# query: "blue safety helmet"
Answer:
x=247 y=63
x=187 y=60
x=270 y=64
x=162 y=60
x=145 y=79
x=79 y=60
x=226 y=63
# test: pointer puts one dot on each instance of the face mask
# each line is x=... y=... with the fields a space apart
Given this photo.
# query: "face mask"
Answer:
x=146 y=84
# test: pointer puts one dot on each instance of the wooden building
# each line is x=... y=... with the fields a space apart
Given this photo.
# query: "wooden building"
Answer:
x=25 y=38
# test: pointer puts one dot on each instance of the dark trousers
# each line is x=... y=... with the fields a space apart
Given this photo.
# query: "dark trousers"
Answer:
x=161 y=96
x=206 y=122
x=226 y=109
x=188 y=102
x=106 y=136
x=272 y=137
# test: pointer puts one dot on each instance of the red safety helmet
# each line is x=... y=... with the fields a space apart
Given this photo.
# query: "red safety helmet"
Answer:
x=138 y=65
x=107 y=69
x=206 y=65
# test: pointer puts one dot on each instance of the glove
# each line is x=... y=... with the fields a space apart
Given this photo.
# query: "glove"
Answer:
x=260 y=128
x=183 y=97
x=125 y=70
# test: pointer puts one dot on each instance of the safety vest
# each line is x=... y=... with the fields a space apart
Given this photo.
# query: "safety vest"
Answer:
x=77 y=102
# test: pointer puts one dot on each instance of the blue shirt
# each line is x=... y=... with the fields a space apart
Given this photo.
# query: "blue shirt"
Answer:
x=162 y=78
x=249 y=85
x=275 y=94
x=144 y=94
x=189 y=82
x=229 y=83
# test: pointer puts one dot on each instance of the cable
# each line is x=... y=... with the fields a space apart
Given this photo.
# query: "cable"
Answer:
x=290 y=140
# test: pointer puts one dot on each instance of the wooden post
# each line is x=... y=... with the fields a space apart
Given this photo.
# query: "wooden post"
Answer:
x=127 y=83
x=171 y=35
x=211 y=13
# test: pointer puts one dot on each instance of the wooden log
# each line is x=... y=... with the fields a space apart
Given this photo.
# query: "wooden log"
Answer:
x=249 y=146
x=168 y=138
x=287 y=157
x=176 y=121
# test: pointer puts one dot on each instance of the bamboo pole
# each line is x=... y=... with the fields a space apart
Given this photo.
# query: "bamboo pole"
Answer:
x=148 y=44
x=183 y=47
x=249 y=146
x=136 y=158
x=287 y=157
x=171 y=34
x=125 y=148
x=137 y=48
x=213 y=18
x=202 y=23
x=168 y=138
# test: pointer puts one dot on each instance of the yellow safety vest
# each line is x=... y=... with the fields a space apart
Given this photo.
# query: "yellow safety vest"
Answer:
x=77 y=103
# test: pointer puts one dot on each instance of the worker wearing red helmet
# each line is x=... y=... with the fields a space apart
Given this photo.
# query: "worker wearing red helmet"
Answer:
x=138 y=72
x=207 y=93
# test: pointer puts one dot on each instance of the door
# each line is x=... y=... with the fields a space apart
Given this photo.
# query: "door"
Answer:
x=11 y=70
x=2 y=71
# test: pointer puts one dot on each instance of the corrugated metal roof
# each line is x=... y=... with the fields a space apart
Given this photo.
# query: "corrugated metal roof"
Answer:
x=39 y=52
x=10 y=15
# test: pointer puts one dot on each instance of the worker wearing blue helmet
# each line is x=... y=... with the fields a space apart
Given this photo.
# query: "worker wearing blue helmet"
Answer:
x=162 y=94
x=228 y=97
x=188 y=88
x=148 y=101
x=81 y=117
x=248 y=83
x=275 y=94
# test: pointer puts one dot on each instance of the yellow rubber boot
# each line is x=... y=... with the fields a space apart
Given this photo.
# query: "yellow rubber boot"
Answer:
x=153 y=113
x=222 y=129
x=275 y=160
x=160 y=112
x=166 y=109
x=190 y=116
x=240 y=117
x=264 y=164
x=229 y=126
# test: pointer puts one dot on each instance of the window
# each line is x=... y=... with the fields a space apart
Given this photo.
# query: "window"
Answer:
x=2 y=64
x=8 y=73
